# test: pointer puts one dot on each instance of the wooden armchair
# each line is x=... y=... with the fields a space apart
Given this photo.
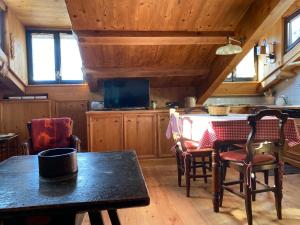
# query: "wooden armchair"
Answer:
x=43 y=135
x=255 y=158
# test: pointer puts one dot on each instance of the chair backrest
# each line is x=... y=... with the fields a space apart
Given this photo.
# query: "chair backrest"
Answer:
x=175 y=127
x=274 y=146
x=49 y=133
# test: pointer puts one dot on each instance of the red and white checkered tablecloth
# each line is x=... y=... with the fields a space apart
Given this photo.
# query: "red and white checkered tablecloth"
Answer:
x=207 y=129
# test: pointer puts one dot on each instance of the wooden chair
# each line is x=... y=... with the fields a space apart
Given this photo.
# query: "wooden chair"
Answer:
x=29 y=149
x=72 y=142
x=256 y=158
x=187 y=151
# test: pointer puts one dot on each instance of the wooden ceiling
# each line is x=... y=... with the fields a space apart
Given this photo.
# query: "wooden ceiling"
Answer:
x=171 y=42
x=41 y=13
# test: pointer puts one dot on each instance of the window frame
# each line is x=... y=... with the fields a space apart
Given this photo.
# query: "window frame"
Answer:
x=233 y=77
x=287 y=19
x=57 y=57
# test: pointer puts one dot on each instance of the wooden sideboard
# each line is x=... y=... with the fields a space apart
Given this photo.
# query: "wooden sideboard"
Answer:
x=141 y=130
x=114 y=130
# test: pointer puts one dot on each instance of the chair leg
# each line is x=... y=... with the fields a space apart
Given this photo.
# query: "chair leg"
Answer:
x=179 y=167
x=210 y=163
x=203 y=165
x=253 y=180
x=187 y=164
x=222 y=179
x=266 y=177
x=242 y=183
x=194 y=168
x=278 y=192
x=248 y=202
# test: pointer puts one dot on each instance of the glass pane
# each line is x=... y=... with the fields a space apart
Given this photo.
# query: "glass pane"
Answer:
x=70 y=58
x=246 y=68
x=293 y=30
x=43 y=59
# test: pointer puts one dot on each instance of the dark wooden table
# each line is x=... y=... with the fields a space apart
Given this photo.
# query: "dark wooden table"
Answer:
x=105 y=181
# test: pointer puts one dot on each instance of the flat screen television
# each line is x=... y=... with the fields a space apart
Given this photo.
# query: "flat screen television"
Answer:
x=126 y=93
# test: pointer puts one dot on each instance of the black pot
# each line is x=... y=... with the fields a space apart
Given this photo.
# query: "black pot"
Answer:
x=58 y=162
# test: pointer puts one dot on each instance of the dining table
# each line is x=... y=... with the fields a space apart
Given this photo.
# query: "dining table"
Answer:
x=217 y=131
x=105 y=181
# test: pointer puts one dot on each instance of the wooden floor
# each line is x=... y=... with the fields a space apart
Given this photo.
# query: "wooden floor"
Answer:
x=169 y=205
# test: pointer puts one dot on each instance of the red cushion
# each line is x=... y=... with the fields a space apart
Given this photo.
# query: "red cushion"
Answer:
x=50 y=133
x=191 y=144
x=239 y=156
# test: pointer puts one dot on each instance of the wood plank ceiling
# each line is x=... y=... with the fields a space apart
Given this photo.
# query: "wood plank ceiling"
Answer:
x=41 y=13
x=171 y=42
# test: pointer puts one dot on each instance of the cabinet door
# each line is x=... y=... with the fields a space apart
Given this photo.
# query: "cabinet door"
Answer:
x=164 y=144
x=105 y=133
x=140 y=134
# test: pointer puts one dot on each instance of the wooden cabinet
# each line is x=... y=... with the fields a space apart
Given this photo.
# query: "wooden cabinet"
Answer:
x=141 y=130
x=140 y=134
x=164 y=144
x=105 y=132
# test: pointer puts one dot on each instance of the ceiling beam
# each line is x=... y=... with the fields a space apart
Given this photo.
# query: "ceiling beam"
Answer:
x=88 y=38
x=142 y=72
x=260 y=16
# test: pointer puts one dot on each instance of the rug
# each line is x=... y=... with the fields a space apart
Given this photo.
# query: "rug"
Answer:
x=288 y=169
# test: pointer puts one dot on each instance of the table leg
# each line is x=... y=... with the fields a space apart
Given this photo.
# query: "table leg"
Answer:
x=215 y=181
x=114 y=218
x=95 y=217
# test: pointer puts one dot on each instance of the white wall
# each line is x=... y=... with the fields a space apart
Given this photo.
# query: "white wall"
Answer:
x=291 y=89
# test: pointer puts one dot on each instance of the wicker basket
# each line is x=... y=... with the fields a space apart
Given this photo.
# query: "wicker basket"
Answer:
x=218 y=110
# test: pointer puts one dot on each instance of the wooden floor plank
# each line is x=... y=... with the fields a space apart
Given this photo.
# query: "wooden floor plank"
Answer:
x=170 y=206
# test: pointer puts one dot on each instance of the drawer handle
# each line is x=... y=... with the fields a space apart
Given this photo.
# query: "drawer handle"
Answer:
x=116 y=121
x=128 y=120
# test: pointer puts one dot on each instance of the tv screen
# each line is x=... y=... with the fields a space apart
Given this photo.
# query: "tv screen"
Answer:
x=126 y=93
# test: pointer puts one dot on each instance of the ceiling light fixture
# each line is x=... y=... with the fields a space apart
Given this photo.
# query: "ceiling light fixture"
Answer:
x=229 y=49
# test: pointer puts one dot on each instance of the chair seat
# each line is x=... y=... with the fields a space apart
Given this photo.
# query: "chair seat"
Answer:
x=191 y=144
x=240 y=156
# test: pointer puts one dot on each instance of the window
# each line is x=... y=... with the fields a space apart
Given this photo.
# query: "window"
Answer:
x=53 y=57
x=246 y=70
x=292 y=30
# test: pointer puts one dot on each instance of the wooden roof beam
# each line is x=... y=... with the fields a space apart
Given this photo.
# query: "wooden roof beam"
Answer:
x=260 y=16
x=142 y=72
x=87 y=38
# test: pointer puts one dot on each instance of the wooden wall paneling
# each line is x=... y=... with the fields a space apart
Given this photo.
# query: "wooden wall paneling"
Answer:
x=62 y=92
x=76 y=110
x=16 y=114
x=105 y=132
x=140 y=134
x=164 y=144
x=237 y=89
x=15 y=45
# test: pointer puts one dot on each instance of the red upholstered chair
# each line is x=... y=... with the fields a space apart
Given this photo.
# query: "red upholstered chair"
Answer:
x=48 y=133
x=187 y=153
x=256 y=157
